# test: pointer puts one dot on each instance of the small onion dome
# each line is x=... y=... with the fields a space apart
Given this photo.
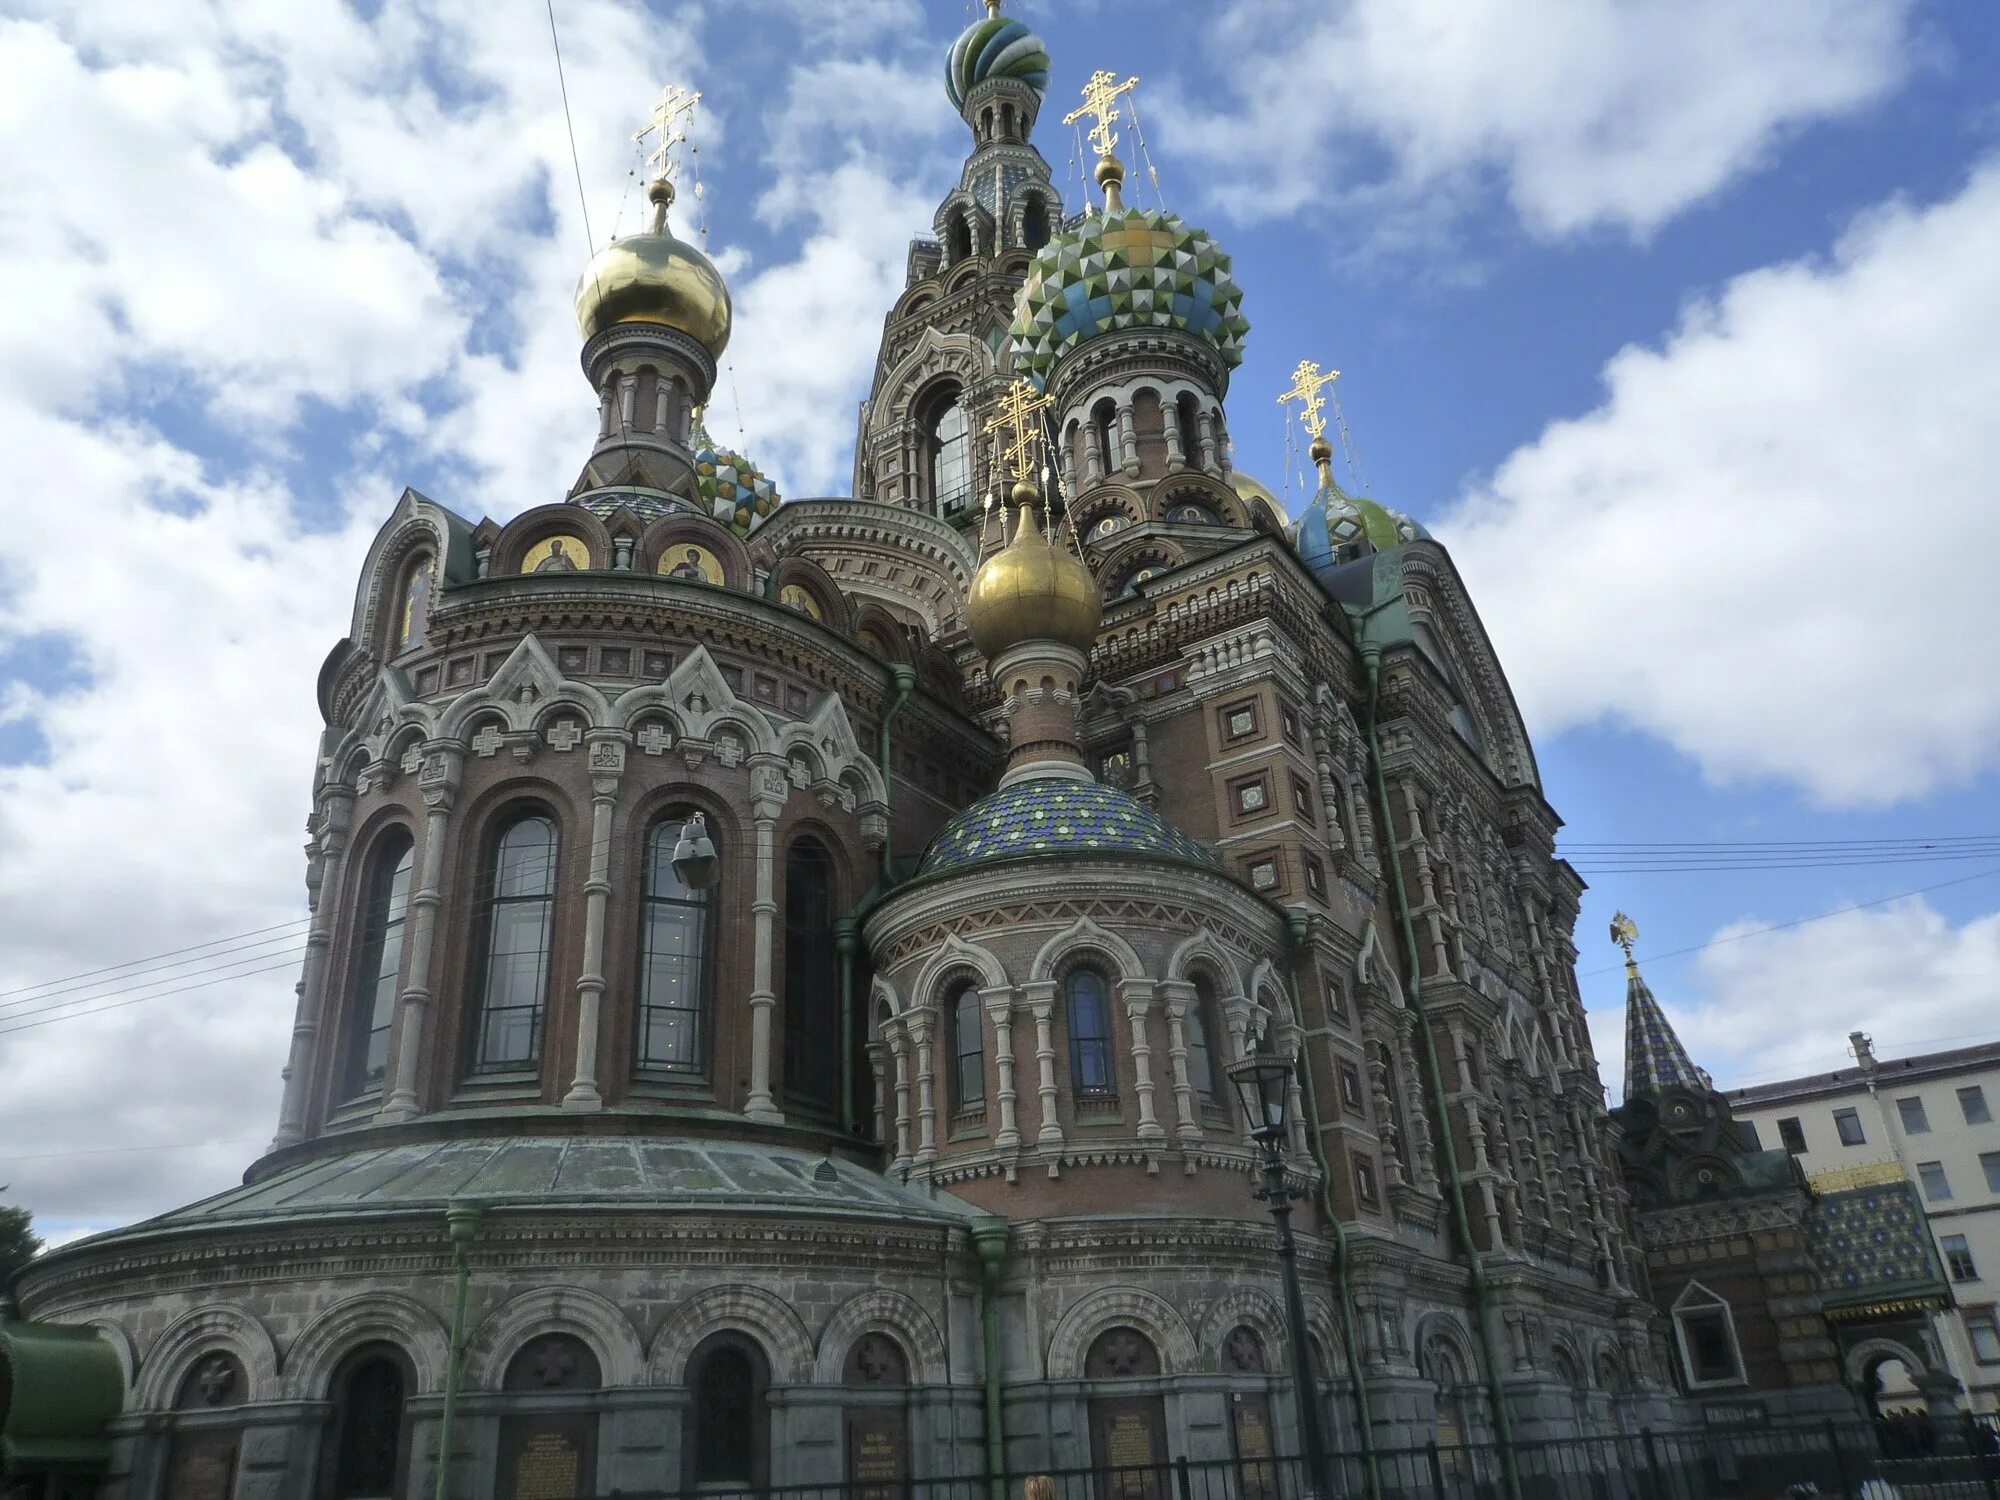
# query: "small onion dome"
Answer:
x=1336 y=520
x=1032 y=589
x=655 y=278
x=1256 y=496
x=1126 y=268
x=995 y=47
x=735 y=489
x=1057 y=815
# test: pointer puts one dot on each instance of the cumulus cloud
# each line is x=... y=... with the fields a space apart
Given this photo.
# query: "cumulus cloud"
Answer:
x=1601 y=113
x=1769 y=544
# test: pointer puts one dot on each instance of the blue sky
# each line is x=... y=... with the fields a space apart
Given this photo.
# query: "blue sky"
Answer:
x=1676 y=322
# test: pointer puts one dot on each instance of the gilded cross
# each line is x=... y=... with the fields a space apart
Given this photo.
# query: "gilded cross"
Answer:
x=667 y=125
x=1624 y=932
x=1100 y=102
x=1307 y=382
x=1017 y=411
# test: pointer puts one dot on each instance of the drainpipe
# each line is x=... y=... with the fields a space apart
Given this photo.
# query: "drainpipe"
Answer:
x=847 y=931
x=463 y=1218
x=1371 y=658
x=1296 y=924
x=989 y=1238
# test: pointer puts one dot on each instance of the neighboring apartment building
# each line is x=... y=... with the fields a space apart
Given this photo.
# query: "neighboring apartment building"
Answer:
x=1938 y=1117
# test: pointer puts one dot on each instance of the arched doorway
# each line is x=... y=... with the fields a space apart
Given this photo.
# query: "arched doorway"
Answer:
x=877 y=1378
x=727 y=1443
x=1128 y=1428
x=548 y=1438
x=367 y=1451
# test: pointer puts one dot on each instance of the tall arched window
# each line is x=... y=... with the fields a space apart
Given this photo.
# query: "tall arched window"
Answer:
x=1184 y=415
x=1201 y=1044
x=1104 y=421
x=968 y=1051
x=675 y=937
x=1087 y=1000
x=516 y=918
x=1035 y=225
x=948 y=450
x=812 y=980
x=378 y=960
x=729 y=1420
x=368 y=1435
x=414 y=605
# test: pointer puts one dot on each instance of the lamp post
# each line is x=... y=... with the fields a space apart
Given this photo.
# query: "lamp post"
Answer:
x=1263 y=1082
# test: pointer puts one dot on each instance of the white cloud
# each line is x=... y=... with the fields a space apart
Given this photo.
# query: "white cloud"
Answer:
x=1770 y=545
x=1601 y=112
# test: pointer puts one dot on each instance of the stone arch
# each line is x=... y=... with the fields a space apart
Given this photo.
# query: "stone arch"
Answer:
x=1105 y=500
x=416 y=524
x=830 y=738
x=1607 y=1369
x=741 y=1308
x=121 y=1344
x=1201 y=946
x=598 y=1321
x=1122 y=568
x=1107 y=1307
x=1442 y=1330
x=200 y=1332
x=385 y=1317
x=1195 y=488
x=1081 y=935
x=522 y=692
x=545 y=521
x=883 y=1310
x=952 y=956
x=794 y=571
x=1868 y=1353
x=1249 y=1306
x=702 y=531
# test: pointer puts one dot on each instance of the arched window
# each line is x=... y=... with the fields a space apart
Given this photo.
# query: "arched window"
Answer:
x=1128 y=1429
x=1184 y=415
x=1035 y=225
x=367 y=1434
x=1103 y=421
x=414 y=614
x=202 y=1459
x=548 y=1446
x=676 y=935
x=958 y=236
x=1201 y=1044
x=729 y=1421
x=968 y=1051
x=516 y=919
x=1087 y=1001
x=948 y=450
x=812 y=980
x=378 y=961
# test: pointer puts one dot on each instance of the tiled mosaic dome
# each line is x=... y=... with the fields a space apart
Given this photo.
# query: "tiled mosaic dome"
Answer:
x=1051 y=815
x=736 y=490
x=1336 y=519
x=1127 y=268
x=995 y=47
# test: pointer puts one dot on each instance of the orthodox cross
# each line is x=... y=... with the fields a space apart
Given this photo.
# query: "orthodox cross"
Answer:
x=1307 y=382
x=1100 y=102
x=1624 y=932
x=1017 y=412
x=667 y=124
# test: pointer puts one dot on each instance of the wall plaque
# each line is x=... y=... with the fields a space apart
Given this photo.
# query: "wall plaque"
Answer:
x=203 y=1465
x=548 y=1457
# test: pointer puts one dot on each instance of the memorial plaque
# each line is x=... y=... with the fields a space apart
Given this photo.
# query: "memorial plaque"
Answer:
x=1250 y=1428
x=878 y=1456
x=203 y=1465
x=548 y=1457
x=1128 y=1433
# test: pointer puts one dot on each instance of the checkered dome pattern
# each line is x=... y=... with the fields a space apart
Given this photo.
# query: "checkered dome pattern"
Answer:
x=737 y=492
x=1050 y=815
x=1137 y=268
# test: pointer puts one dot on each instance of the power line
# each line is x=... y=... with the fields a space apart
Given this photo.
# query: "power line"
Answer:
x=140 y=1000
x=576 y=162
x=244 y=1140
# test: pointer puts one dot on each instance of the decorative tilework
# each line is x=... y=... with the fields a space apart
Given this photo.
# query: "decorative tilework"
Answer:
x=995 y=47
x=1137 y=268
x=1655 y=1060
x=644 y=504
x=1337 y=520
x=736 y=490
x=1050 y=815
x=1872 y=1242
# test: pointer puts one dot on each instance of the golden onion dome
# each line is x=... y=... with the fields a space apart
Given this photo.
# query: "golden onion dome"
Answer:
x=1032 y=589
x=1256 y=495
x=655 y=278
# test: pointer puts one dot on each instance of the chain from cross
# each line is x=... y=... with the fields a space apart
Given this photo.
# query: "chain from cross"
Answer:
x=665 y=122
x=1100 y=102
x=1016 y=414
x=1307 y=382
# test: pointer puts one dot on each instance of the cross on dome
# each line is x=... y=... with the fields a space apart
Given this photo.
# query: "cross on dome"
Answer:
x=1100 y=102
x=668 y=124
x=1015 y=414
x=1307 y=382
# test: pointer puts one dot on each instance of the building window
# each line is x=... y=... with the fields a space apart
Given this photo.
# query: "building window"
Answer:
x=1364 y=1181
x=414 y=618
x=1911 y=1112
x=674 y=940
x=730 y=1438
x=516 y=919
x=1350 y=1089
x=1201 y=1044
x=1264 y=875
x=1958 y=1258
x=378 y=961
x=1239 y=722
x=1302 y=801
x=968 y=1051
x=1982 y=1328
x=1088 y=1004
x=1989 y=1162
x=1848 y=1123
x=1315 y=876
x=812 y=1004
x=1706 y=1334
x=1251 y=795
x=1746 y=1132
x=368 y=1433
x=1336 y=1004
x=1972 y=1104
x=948 y=453
x=1937 y=1187
x=1792 y=1135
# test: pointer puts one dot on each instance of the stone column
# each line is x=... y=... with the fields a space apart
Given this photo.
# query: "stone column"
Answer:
x=1204 y=426
x=769 y=788
x=1041 y=997
x=1138 y=996
x=899 y=1047
x=921 y=1036
x=878 y=1065
x=1069 y=468
x=628 y=390
x=1128 y=439
x=1094 y=456
x=438 y=781
x=1170 y=413
x=606 y=749
x=660 y=409
x=999 y=1006
x=604 y=400
x=1179 y=996
x=329 y=861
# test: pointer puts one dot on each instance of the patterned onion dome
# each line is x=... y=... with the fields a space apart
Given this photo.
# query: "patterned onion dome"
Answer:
x=736 y=490
x=995 y=47
x=1337 y=519
x=1126 y=268
x=1054 y=815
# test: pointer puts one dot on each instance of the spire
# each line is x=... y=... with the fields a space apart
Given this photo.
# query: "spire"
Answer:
x=1655 y=1060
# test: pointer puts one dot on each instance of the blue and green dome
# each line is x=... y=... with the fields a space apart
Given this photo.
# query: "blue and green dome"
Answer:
x=1126 y=268
x=735 y=489
x=995 y=47
x=1054 y=815
x=1337 y=520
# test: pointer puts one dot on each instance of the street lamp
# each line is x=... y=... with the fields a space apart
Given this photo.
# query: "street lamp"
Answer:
x=694 y=861
x=1263 y=1082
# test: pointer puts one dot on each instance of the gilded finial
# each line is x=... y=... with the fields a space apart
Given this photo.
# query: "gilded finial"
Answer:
x=1100 y=102
x=1625 y=932
x=1307 y=382
x=667 y=125
x=1017 y=416
x=992 y=7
